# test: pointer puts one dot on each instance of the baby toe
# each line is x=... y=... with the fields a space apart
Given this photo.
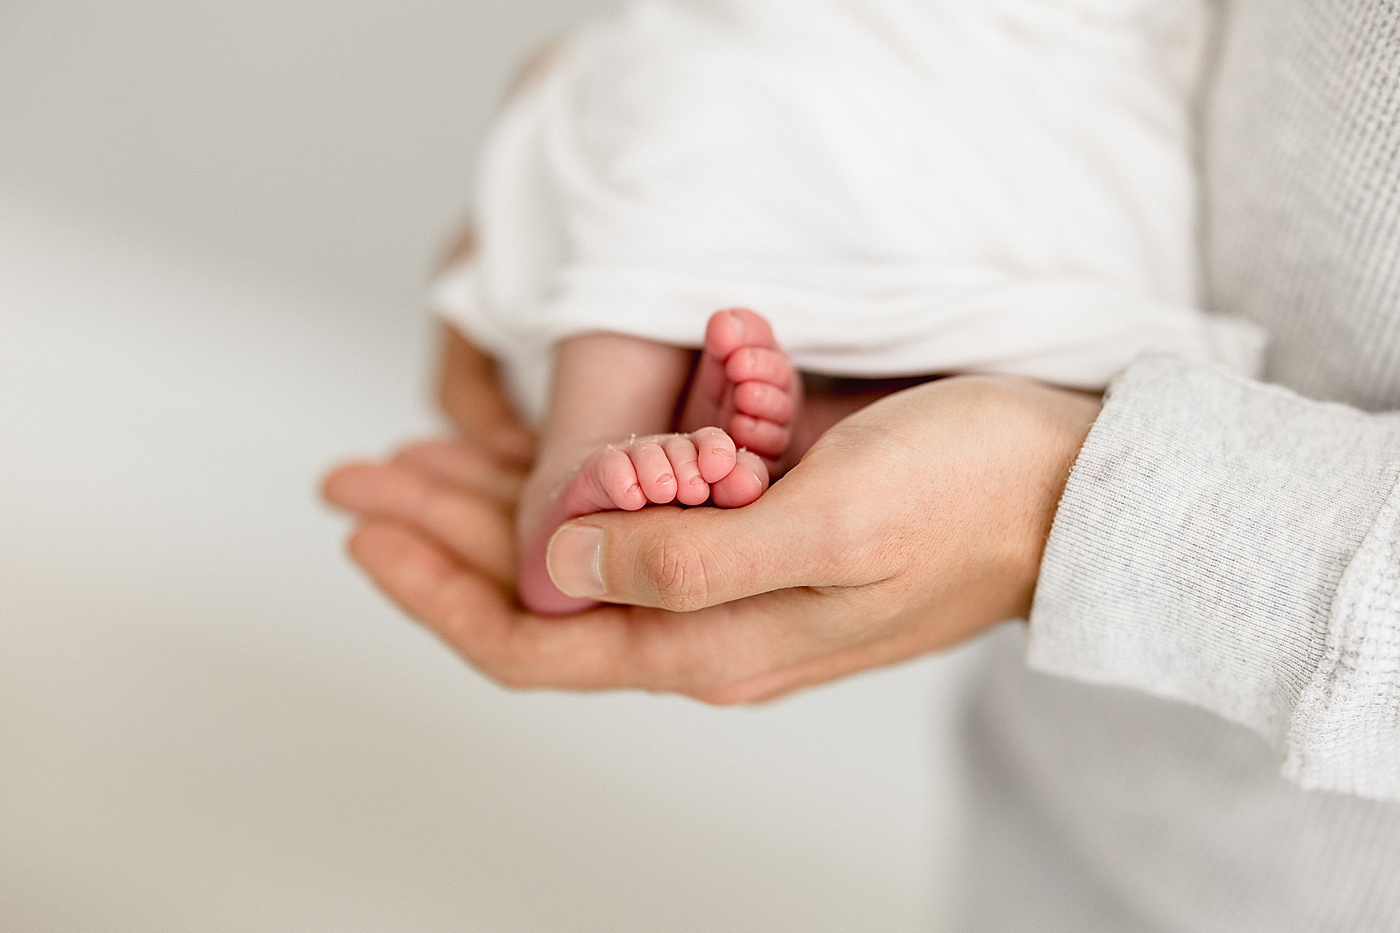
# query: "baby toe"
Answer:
x=614 y=471
x=691 y=488
x=762 y=437
x=731 y=329
x=715 y=453
x=761 y=364
x=654 y=473
x=764 y=402
x=744 y=484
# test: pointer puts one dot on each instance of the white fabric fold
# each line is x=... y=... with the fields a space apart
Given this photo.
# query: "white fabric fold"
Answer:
x=902 y=186
x=1345 y=732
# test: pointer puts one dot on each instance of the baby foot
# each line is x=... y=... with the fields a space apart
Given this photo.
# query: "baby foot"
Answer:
x=745 y=384
x=689 y=469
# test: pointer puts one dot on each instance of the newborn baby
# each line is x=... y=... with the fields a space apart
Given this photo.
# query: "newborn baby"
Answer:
x=902 y=187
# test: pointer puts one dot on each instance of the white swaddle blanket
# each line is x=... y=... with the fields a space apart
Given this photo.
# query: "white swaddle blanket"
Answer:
x=901 y=186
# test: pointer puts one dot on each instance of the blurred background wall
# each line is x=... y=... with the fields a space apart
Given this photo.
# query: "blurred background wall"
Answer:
x=215 y=222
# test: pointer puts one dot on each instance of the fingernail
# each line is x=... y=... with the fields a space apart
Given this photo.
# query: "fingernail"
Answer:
x=575 y=561
x=738 y=323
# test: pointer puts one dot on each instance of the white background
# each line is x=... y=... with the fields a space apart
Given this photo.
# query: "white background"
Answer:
x=215 y=220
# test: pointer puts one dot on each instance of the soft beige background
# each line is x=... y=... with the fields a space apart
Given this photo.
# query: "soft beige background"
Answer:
x=214 y=224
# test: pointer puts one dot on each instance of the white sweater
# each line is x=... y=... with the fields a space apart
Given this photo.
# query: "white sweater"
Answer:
x=1209 y=737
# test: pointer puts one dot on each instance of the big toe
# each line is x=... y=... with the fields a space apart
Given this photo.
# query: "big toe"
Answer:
x=729 y=330
x=744 y=484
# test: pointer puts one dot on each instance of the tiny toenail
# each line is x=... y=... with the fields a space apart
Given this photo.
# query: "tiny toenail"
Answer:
x=720 y=451
x=698 y=481
x=633 y=488
x=664 y=479
x=575 y=561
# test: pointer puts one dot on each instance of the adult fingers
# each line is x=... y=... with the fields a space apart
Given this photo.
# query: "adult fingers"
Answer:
x=465 y=466
x=686 y=560
x=606 y=648
x=735 y=653
x=467 y=611
x=472 y=527
x=470 y=392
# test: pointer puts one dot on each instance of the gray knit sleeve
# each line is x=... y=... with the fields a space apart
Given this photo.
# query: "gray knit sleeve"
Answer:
x=1237 y=546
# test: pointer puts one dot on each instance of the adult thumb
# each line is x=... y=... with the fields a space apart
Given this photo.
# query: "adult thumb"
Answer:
x=687 y=559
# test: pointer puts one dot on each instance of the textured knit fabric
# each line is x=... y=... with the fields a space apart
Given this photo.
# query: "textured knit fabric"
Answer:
x=1219 y=605
x=1230 y=544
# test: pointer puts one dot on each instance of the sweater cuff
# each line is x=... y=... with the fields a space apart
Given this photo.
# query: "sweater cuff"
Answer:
x=1202 y=539
x=1346 y=729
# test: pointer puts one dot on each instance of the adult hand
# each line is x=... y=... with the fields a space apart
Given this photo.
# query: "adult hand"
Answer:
x=470 y=393
x=470 y=390
x=910 y=526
